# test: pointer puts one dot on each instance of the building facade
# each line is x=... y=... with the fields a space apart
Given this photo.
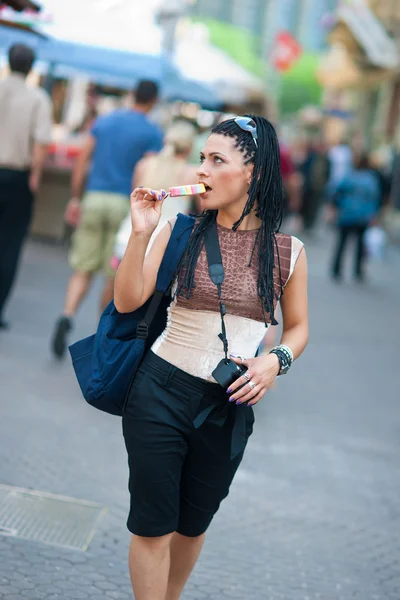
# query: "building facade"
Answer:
x=361 y=73
x=248 y=14
x=304 y=19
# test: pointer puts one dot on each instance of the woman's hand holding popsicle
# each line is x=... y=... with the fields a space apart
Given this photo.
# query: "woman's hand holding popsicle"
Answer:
x=146 y=205
x=146 y=209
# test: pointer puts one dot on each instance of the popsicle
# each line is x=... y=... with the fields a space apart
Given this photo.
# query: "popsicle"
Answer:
x=187 y=190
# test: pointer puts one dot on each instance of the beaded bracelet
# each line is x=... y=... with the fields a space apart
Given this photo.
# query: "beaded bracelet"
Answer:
x=286 y=350
x=285 y=357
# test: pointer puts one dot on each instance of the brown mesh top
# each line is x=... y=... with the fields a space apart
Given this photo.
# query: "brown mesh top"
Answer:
x=239 y=290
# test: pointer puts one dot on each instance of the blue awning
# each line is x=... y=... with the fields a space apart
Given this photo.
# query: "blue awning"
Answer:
x=106 y=66
x=91 y=58
x=189 y=90
x=172 y=88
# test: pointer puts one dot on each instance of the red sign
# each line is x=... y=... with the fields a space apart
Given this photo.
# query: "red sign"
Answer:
x=286 y=51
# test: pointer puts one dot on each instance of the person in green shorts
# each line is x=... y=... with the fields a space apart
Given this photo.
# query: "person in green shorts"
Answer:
x=116 y=143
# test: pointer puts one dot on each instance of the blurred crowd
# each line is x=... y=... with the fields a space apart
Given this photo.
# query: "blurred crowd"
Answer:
x=345 y=186
x=339 y=184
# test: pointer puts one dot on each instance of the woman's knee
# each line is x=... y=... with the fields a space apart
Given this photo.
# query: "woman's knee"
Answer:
x=190 y=539
x=153 y=543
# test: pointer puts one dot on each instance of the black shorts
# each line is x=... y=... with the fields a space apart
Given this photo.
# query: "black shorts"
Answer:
x=185 y=442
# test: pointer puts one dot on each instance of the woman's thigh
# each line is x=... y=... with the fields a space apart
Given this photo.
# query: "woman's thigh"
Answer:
x=155 y=430
x=207 y=474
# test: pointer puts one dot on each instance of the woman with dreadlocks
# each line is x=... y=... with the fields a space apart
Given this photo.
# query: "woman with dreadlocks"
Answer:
x=185 y=433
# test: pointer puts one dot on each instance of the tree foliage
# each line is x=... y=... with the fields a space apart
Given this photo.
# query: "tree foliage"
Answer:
x=299 y=86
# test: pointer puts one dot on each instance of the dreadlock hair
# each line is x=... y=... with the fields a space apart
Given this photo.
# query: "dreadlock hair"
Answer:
x=265 y=195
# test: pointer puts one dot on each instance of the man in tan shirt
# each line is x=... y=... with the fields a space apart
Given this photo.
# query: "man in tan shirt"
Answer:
x=25 y=126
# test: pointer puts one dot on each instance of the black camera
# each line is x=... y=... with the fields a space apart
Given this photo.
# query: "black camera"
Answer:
x=227 y=372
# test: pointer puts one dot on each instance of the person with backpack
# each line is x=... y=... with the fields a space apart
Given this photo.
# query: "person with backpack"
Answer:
x=189 y=411
x=356 y=202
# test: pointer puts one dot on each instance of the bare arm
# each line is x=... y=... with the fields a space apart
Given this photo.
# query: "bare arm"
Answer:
x=81 y=167
x=73 y=209
x=263 y=370
x=136 y=277
x=294 y=306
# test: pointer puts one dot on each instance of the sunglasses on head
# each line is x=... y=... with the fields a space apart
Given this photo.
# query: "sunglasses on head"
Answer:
x=247 y=124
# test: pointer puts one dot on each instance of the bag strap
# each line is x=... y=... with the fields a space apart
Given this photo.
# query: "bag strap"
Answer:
x=176 y=245
x=217 y=274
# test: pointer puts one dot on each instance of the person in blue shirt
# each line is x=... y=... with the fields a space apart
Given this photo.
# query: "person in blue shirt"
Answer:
x=356 y=201
x=117 y=142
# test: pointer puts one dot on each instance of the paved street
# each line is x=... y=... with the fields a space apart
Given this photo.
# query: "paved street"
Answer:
x=314 y=512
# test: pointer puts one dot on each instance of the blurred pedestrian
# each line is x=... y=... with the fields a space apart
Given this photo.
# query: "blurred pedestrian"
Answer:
x=25 y=133
x=391 y=216
x=395 y=186
x=315 y=170
x=167 y=169
x=290 y=180
x=383 y=175
x=341 y=161
x=115 y=145
x=356 y=202
x=185 y=433
x=87 y=121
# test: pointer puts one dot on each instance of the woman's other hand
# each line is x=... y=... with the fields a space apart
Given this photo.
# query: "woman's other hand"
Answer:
x=261 y=371
x=146 y=209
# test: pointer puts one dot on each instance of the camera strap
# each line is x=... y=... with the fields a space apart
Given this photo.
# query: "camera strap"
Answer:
x=216 y=272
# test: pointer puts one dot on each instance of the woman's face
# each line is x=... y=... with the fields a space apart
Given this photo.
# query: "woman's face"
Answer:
x=224 y=174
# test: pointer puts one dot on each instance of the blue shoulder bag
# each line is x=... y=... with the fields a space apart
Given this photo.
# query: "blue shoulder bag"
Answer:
x=105 y=363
